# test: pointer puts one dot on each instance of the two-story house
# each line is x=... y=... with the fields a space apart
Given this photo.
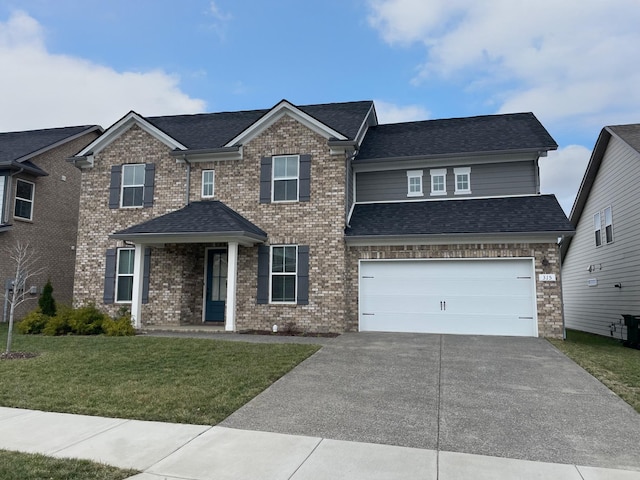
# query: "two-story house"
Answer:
x=39 y=193
x=318 y=216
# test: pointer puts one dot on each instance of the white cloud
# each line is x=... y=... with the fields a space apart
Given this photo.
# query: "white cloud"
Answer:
x=220 y=20
x=563 y=60
x=561 y=173
x=392 y=113
x=42 y=90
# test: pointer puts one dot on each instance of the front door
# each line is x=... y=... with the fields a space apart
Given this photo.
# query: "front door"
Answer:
x=216 y=287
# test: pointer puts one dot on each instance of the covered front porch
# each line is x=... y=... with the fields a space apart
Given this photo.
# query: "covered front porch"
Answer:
x=199 y=245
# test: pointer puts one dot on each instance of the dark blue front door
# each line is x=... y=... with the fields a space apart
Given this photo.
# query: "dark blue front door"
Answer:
x=216 y=290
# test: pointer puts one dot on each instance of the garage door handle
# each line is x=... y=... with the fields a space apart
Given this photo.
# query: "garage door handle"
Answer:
x=368 y=314
x=443 y=305
x=364 y=276
x=525 y=318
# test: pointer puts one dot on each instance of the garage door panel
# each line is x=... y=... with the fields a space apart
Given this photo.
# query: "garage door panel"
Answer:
x=492 y=297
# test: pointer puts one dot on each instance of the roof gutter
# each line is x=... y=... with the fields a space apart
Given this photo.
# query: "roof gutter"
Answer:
x=208 y=154
x=438 y=238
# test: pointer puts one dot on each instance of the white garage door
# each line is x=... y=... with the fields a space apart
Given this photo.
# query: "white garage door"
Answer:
x=477 y=297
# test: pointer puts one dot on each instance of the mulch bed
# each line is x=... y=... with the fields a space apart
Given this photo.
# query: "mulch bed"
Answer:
x=290 y=334
x=17 y=355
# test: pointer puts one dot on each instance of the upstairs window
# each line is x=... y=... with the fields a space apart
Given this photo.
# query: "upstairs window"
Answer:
x=132 y=185
x=414 y=183
x=3 y=182
x=597 y=228
x=463 y=180
x=438 y=182
x=24 y=200
x=208 y=177
x=285 y=178
x=608 y=225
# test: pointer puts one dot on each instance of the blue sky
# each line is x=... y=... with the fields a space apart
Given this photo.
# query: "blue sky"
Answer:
x=572 y=63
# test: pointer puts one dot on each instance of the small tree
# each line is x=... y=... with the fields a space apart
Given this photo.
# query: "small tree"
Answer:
x=46 y=302
x=25 y=263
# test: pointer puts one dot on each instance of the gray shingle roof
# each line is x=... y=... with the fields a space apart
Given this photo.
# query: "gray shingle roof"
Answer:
x=490 y=133
x=530 y=214
x=214 y=130
x=207 y=217
x=629 y=133
x=16 y=145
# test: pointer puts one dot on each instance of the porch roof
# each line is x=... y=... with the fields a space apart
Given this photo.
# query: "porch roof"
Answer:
x=198 y=222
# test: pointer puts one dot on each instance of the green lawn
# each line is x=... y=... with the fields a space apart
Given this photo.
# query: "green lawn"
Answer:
x=198 y=381
x=606 y=359
x=25 y=466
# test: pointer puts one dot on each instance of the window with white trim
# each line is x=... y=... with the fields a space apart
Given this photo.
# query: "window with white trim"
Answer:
x=463 y=180
x=24 y=200
x=285 y=178
x=414 y=183
x=3 y=183
x=124 y=275
x=597 y=228
x=284 y=269
x=208 y=178
x=132 y=192
x=438 y=181
x=608 y=225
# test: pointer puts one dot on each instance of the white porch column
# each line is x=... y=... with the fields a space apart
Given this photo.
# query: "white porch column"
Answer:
x=232 y=277
x=136 y=296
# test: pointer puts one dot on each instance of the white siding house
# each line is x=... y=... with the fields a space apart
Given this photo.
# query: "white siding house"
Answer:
x=601 y=265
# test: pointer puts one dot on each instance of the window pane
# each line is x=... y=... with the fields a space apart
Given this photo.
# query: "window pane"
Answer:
x=24 y=190
x=23 y=209
x=125 y=262
x=290 y=259
x=463 y=182
x=2 y=183
x=438 y=183
x=607 y=216
x=279 y=167
x=125 y=289
x=608 y=231
x=277 y=262
x=133 y=174
x=285 y=190
x=283 y=288
x=132 y=196
x=207 y=183
x=415 y=185
x=292 y=166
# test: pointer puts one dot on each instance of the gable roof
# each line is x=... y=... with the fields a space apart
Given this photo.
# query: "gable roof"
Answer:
x=17 y=148
x=535 y=214
x=204 y=221
x=517 y=132
x=630 y=134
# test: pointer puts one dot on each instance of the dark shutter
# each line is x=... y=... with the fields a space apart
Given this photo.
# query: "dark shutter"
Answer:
x=263 y=274
x=303 y=274
x=110 y=276
x=265 y=180
x=305 y=178
x=149 y=178
x=145 y=275
x=114 y=186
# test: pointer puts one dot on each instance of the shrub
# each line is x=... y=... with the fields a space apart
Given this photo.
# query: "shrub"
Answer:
x=32 y=323
x=118 y=327
x=46 y=302
x=60 y=324
x=87 y=320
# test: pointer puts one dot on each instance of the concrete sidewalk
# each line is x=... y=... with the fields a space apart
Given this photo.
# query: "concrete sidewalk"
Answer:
x=199 y=452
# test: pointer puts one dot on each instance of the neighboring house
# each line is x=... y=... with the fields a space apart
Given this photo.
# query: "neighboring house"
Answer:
x=317 y=216
x=601 y=264
x=39 y=193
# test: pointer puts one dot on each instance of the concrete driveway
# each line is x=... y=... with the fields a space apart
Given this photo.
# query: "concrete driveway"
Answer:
x=498 y=396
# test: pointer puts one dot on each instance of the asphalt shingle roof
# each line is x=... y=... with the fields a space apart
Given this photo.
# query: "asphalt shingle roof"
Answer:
x=629 y=133
x=16 y=145
x=206 y=217
x=530 y=214
x=214 y=130
x=489 y=133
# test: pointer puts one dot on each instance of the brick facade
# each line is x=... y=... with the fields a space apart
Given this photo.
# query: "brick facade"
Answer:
x=546 y=260
x=51 y=234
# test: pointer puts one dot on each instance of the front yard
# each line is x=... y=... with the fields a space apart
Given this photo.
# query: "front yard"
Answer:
x=198 y=381
x=606 y=359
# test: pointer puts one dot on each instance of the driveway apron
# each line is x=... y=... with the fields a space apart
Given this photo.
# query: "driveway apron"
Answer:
x=498 y=396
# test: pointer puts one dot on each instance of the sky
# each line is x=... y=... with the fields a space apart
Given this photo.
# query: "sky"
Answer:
x=573 y=63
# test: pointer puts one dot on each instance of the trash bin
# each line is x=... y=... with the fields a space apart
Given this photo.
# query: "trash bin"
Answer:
x=632 y=322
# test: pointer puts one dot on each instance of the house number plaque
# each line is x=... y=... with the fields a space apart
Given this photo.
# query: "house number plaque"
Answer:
x=547 y=277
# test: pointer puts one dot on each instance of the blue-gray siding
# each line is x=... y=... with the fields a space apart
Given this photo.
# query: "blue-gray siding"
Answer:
x=594 y=309
x=494 y=179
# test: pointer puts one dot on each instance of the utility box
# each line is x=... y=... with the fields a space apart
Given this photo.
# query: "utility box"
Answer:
x=632 y=322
